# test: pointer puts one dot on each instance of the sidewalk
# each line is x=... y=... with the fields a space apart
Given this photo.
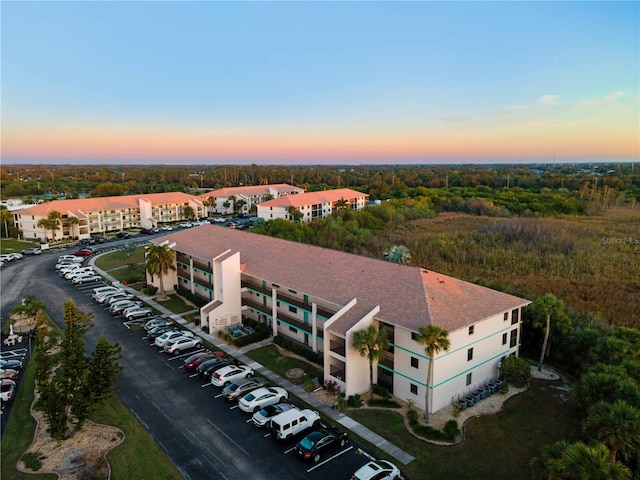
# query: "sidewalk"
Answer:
x=240 y=353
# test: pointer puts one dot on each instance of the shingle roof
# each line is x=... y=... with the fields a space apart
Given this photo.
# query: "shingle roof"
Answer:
x=408 y=296
x=312 y=198
x=77 y=205
x=251 y=190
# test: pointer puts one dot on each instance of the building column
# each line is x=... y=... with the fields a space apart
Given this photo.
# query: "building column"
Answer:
x=274 y=311
x=314 y=327
x=191 y=275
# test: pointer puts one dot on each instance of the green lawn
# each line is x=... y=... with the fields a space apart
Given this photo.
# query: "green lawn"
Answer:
x=176 y=305
x=498 y=447
x=271 y=359
x=11 y=245
x=121 y=258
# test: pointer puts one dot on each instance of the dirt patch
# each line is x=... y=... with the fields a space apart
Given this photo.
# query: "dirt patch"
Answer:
x=81 y=456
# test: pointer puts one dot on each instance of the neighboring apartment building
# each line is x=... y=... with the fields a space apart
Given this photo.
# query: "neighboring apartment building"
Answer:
x=242 y=199
x=312 y=205
x=320 y=297
x=106 y=214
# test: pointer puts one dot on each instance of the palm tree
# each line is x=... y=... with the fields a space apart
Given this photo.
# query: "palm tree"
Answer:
x=30 y=307
x=340 y=204
x=578 y=461
x=158 y=262
x=435 y=339
x=371 y=343
x=52 y=222
x=546 y=307
x=294 y=213
x=188 y=212
x=617 y=425
x=398 y=254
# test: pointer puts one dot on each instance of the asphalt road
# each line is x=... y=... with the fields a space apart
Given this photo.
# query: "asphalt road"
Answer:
x=204 y=436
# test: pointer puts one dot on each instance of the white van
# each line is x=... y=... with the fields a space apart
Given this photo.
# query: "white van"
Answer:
x=100 y=290
x=290 y=423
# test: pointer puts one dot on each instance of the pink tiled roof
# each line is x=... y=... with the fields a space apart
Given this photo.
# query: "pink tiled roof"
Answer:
x=408 y=296
x=312 y=198
x=77 y=205
x=251 y=190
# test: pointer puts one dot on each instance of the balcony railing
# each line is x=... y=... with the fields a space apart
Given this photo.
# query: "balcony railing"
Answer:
x=337 y=347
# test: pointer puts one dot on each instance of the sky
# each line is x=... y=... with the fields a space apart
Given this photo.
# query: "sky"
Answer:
x=199 y=82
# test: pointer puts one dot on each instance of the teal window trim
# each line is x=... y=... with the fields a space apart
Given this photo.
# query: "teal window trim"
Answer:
x=188 y=280
x=283 y=322
x=401 y=374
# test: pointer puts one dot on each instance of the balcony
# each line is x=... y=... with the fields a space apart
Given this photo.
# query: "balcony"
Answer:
x=337 y=345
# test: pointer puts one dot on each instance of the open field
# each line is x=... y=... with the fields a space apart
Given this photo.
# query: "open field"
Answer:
x=590 y=262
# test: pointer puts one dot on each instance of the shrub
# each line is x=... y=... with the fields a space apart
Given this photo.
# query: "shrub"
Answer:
x=516 y=370
x=149 y=290
x=32 y=461
x=299 y=349
x=354 y=401
x=384 y=403
x=381 y=391
x=309 y=386
x=252 y=338
x=503 y=389
x=197 y=300
x=205 y=328
x=413 y=417
x=451 y=430
x=332 y=387
x=456 y=409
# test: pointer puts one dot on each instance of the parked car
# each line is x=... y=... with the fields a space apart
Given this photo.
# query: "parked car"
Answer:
x=261 y=398
x=83 y=253
x=88 y=241
x=105 y=295
x=182 y=344
x=319 y=442
x=239 y=388
x=70 y=258
x=192 y=362
x=85 y=278
x=146 y=231
x=157 y=322
x=99 y=239
x=186 y=225
x=123 y=235
x=289 y=424
x=206 y=369
x=9 y=373
x=76 y=272
x=137 y=312
x=31 y=251
x=7 y=389
x=118 y=298
x=230 y=373
x=157 y=331
x=118 y=307
x=262 y=418
x=6 y=258
x=105 y=289
x=165 y=338
x=12 y=364
x=166 y=228
x=16 y=256
x=380 y=470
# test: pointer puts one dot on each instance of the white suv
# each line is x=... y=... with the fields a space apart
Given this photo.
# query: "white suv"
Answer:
x=185 y=342
x=166 y=337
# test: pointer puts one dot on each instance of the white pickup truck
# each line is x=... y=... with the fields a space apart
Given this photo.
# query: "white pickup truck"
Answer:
x=182 y=344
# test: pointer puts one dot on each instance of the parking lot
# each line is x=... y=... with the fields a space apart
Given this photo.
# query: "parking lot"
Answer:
x=205 y=435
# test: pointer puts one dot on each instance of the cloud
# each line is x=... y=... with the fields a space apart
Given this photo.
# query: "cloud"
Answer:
x=549 y=99
x=610 y=99
x=458 y=119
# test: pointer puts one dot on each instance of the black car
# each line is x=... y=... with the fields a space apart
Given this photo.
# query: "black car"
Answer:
x=205 y=369
x=319 y=442
x=123 y=235
x=88 y=241
x=157 y=331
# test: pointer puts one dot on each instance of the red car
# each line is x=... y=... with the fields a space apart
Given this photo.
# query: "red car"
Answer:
x=192 y=362
x=82 y=253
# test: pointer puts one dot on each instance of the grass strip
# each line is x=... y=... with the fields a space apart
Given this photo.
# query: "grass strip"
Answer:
x=271 y=358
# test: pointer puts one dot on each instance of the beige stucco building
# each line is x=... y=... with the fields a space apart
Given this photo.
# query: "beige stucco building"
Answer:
x=224 y=200
x=106 y=214
x=312 y=205
x=321 y=297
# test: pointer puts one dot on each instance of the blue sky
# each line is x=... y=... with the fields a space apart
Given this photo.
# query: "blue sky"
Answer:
x=319 y=82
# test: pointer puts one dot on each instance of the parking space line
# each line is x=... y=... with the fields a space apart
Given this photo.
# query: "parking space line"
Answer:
x=329 y=459
x=234 y=407
x=289 y=450
x=208 y=384
x=193 y=375
x=250 y=420
x=267 y=435
x=218 y=396
x=177 y=357
x=228 y=437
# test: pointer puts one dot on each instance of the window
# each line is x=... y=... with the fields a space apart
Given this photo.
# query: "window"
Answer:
x=470 y=354
x=414 y=388
x=514 y=338
x=468 y=379
x=414 y=362
x=294 y=330
x=504 y=338
x=471 y=329
x=293 y=309
x=506 y=316
x=414 y=336
x=514 y=316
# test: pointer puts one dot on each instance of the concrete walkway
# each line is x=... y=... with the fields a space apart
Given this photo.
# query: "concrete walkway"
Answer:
x=240 y=353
